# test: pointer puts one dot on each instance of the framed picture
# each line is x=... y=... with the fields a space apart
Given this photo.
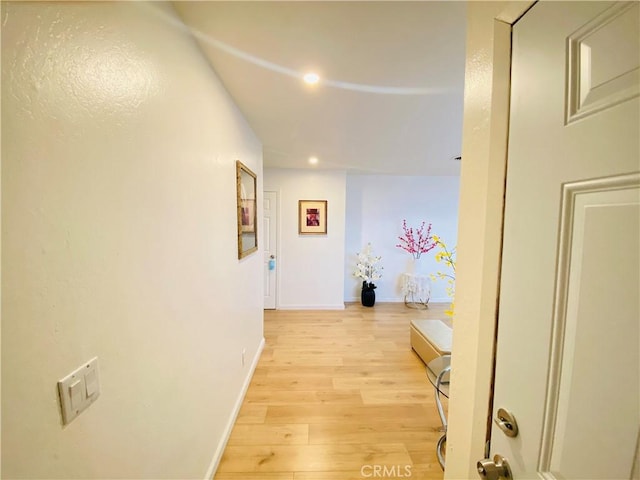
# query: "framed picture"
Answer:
x=312 y=217
x=246 y=184
x=248 y=216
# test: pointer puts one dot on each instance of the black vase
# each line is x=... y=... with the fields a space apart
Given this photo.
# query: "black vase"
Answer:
x=368 y=296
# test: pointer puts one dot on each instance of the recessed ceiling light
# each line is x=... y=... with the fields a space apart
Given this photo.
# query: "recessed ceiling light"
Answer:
x=313 y=160
x=311 y=78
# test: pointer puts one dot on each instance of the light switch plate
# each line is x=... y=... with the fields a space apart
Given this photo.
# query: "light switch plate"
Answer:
x=78 y=390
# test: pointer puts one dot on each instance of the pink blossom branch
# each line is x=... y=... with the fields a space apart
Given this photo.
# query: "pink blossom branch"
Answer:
x=416 y=246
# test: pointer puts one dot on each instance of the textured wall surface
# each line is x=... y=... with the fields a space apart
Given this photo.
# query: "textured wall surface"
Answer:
x=119 y=241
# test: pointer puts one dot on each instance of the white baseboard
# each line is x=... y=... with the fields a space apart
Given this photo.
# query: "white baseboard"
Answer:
x=234 y=414
x=311 y=307
x=378 y=299
x=398 y=300
x=446 y=300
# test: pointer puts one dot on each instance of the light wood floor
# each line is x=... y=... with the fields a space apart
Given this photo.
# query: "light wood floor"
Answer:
x=335 y=396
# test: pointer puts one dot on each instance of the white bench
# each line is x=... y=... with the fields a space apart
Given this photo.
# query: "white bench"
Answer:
x=430 y=338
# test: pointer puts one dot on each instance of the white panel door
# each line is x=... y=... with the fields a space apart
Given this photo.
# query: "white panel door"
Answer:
x=567 y=359
x=270 y=248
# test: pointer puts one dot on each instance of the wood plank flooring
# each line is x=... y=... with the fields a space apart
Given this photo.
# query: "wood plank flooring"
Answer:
x=337 y=395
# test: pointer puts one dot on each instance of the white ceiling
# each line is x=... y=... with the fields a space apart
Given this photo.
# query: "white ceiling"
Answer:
x=390 y=96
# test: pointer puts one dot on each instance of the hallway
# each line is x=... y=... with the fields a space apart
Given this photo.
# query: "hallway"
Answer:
x=337 y=395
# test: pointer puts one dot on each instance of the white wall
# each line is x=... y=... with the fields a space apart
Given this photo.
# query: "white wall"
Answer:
x=310 y=268
x=119 y=241
x=376 y=206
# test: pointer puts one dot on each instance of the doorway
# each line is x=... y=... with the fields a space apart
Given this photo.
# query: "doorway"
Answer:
x=270 y=230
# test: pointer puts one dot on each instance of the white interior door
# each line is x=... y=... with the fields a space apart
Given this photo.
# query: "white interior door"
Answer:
x=567 y=361
x=270 y=248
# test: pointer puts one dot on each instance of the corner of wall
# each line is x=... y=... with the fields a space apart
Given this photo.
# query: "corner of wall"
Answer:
x=480 y=233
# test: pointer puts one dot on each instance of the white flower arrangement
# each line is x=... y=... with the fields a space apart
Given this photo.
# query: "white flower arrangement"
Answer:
x=368 y=267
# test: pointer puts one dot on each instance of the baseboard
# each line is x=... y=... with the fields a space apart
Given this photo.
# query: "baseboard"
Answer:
x=379 y=299
x=440 y=300
x=311 y=307
x=398 y=300
x=234 y=414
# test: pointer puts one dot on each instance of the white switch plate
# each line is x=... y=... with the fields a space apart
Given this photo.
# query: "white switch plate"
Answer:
x=79 y=389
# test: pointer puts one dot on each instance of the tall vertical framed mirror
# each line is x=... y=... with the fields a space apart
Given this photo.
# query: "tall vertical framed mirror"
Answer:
x=246 y=182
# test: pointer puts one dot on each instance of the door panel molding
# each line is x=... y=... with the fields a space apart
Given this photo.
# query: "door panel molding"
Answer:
x=577 y=199
x=598 y=78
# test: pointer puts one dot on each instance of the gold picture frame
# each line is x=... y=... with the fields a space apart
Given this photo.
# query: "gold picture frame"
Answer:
x=312 y=217
x=246 y=188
